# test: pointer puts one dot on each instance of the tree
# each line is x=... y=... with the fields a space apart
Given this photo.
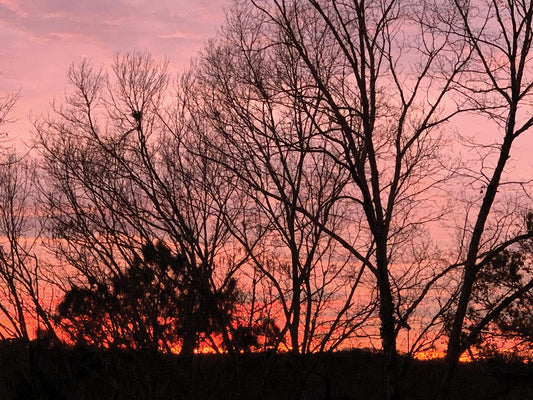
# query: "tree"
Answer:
x=511 y=330
x=7 y=103
x=312 y=136
x=499 y=87
x=22 y=298
x=118 y=174
x=159 y=303
x=371 y=80
x=264 y=138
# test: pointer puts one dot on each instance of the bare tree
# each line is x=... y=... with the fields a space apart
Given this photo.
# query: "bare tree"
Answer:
x=499 y=85
x=119 y=176
x=22 y=302
x=372 y=79
x=265 y=138
x=22 y=298
x=313 y=137
x=7 y=103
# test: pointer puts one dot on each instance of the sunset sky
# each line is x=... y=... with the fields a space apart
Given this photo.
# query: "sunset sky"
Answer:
x=336 y=176
x=41 y=38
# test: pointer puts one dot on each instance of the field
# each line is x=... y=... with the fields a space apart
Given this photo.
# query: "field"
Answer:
x=42 y=372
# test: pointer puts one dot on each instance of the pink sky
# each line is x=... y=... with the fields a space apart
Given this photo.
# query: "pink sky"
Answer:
x=41 y=38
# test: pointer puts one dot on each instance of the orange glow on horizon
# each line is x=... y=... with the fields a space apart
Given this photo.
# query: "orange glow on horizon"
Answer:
x=440 y=355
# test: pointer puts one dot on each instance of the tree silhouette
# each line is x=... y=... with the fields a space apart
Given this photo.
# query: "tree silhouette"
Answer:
x=120 y=167
x=23 y=300
x=334 y=83
x=7 y=102
x=505 y=274
x=160 y=302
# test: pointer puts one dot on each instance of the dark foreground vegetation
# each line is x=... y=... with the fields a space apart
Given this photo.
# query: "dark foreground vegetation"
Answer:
x=40 y=371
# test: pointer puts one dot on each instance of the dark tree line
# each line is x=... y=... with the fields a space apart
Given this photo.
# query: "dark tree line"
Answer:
x=294 y=190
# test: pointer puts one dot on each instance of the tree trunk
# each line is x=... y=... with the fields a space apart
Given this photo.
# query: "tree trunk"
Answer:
x=295 y=306
x=387 y=331
x=455 y=345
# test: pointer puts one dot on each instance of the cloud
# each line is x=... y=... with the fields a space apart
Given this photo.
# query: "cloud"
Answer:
x=41 y=38
x=110 y=24
x=14 y=6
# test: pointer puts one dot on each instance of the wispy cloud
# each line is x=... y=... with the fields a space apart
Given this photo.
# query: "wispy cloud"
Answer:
x=41 y=38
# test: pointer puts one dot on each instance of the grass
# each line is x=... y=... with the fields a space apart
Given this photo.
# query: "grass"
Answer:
x=38 y=371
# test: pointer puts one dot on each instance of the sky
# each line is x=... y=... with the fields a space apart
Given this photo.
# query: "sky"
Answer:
x=40 y=39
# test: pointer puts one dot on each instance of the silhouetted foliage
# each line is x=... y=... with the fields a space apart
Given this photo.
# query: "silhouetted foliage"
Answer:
x=160 y=301
x=262 y=335
x=511 y=330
